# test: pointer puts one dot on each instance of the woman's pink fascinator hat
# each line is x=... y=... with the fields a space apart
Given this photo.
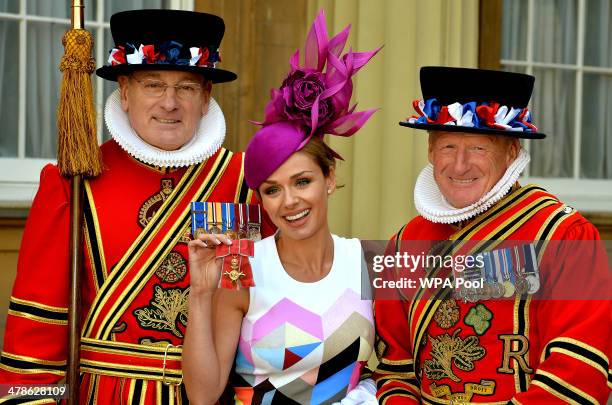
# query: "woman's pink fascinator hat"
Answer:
x=312 y=101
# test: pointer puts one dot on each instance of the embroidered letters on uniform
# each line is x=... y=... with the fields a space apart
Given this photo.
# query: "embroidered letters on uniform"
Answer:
x=518 y=355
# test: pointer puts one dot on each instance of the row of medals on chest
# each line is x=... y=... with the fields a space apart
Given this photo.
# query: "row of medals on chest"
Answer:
x=498 y=283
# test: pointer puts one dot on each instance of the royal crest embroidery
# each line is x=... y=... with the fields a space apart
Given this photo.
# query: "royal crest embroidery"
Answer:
x=447 y=314
x=150 y=207
x=479 y=317
x=172 y=269
x=448 y=350
x=166 y=310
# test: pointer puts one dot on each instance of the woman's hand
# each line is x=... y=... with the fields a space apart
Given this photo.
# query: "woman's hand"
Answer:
x=204 y=267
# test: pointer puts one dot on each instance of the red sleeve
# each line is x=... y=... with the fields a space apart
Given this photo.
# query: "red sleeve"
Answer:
x=36 y=334
x=576 y=343
x=394 y=376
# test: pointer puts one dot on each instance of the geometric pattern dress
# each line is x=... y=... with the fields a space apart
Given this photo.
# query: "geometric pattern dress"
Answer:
x=303 y=343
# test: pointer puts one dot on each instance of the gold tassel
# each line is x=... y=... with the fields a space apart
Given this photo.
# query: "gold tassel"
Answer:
x=77 y=147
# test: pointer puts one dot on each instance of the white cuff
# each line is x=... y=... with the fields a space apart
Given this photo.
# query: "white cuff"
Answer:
x=363 y=394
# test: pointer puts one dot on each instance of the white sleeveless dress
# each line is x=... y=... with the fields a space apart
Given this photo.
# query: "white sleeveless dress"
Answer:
x=301 y=342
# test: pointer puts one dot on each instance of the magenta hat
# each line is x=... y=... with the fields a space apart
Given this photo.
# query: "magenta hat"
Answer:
x=312 y=101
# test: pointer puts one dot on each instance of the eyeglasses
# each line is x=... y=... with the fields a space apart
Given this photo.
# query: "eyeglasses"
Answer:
x=186 y=91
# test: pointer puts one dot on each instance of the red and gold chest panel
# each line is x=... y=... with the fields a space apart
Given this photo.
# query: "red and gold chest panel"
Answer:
x=137 y=227
x=480 y=351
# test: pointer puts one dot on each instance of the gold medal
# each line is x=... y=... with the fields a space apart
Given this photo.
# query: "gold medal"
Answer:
x=234 y=274
x=231 y=234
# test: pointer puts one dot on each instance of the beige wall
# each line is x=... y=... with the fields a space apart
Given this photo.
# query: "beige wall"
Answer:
x=383 y=159
x=10 y=237
x=259 y=37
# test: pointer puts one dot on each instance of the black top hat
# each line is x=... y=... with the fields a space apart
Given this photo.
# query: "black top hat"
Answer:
x=166 y=40
x=481 y=95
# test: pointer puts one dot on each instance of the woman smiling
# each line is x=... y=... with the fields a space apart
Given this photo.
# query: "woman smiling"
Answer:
x=303 y=334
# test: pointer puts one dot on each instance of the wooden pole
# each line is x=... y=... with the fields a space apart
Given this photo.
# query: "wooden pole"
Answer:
x=76 y=223
x=78 y=156
x=74 y=310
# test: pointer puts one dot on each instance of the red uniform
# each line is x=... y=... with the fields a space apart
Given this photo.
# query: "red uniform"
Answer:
x=444 y=351
x=135 y=277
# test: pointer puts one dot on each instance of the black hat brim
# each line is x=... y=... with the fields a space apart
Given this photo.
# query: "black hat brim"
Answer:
x=213 y=74
x=484 y=131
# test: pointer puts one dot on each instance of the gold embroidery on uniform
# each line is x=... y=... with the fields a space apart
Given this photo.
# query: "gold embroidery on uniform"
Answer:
x=580 y=344
x=143 y=394
x=447 y=350
x=485 y=387
x=138 y=282
x=132 y=384
x=151 y=342
x=153 y=203
x=37 y=318
x=518 y=355
x=31 y=370
x=447 y=314
x=186 y=236
x=132 y=253
x=35 y=360
x=520 y=217
x=158 y=391
x=39 y=305
x=167 y=308
x=380 y=347
x=239 y=182
x=120 y=327
x=515 y=330
x=154 y=350
x=96 y=230
x=130 y=371
x=172 y=269
x=563 y=384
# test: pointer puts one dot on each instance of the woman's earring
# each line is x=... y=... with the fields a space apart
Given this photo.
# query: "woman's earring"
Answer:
x=329 y=191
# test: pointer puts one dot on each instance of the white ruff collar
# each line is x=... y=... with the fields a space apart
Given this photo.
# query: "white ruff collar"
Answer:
x=207 y=140
x=430 y=203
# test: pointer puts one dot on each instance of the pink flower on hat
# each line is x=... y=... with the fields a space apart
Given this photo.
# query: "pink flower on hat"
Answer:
x=318 y=93
x=313 y=100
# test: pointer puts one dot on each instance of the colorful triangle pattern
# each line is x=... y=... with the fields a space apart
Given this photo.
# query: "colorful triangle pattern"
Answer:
x=303 y=350
x=290 y=359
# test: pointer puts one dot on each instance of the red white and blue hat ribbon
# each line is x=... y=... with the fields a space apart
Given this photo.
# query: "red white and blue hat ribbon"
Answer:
x=166 y=53
x=484 y=115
